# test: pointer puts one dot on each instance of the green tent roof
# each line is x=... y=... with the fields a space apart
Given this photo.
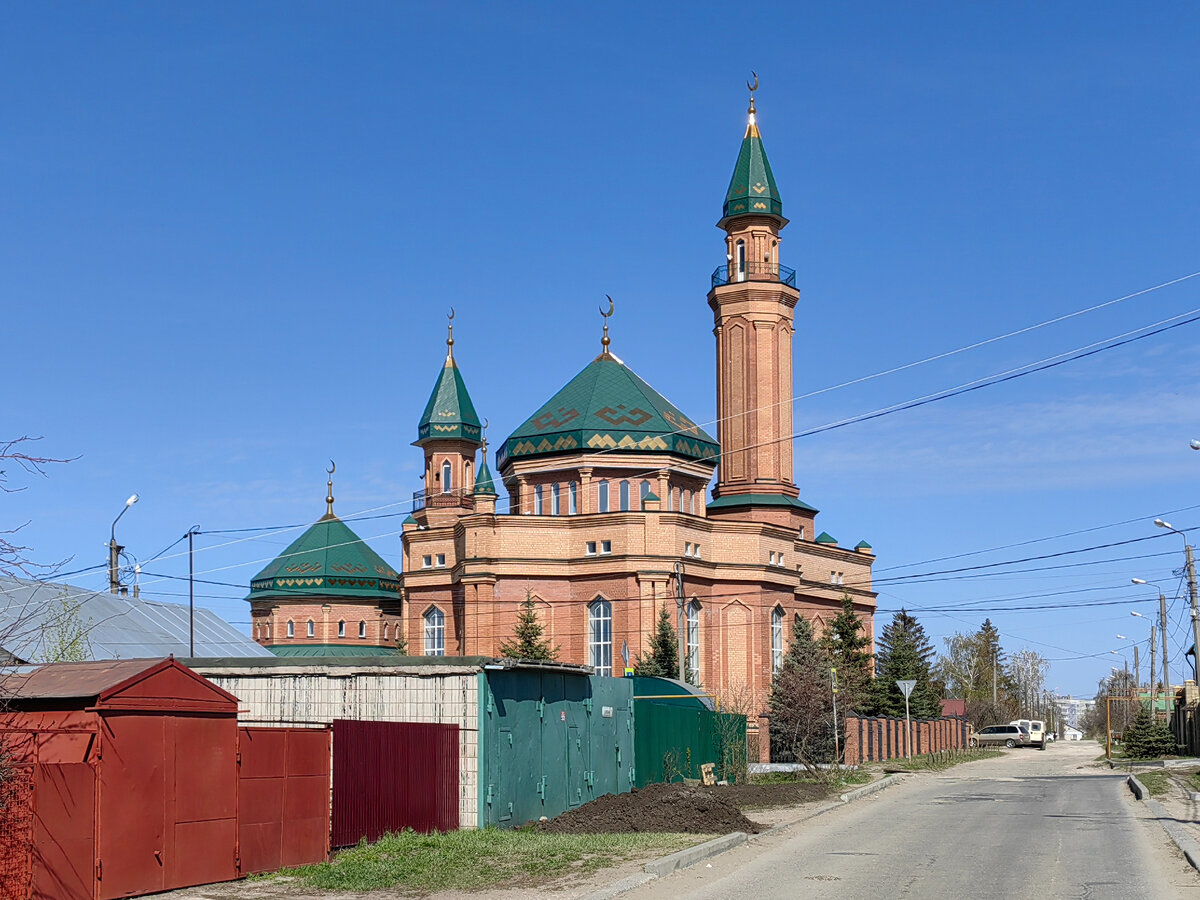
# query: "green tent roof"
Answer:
x=752 y=190
x=608 y=408
x=826 y=538
x=863 y=545
x=731 y=501
x=328 y=560
x=289 y=651
x=449 y=414
x=483 y=479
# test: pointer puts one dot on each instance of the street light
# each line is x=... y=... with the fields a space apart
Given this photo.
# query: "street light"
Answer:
x=1162 y=627
x=1191 y=575
x=114 y=550
x=1194 y=444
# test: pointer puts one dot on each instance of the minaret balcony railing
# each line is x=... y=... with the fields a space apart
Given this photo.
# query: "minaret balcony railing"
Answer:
x=439 y=500
x=731 y=273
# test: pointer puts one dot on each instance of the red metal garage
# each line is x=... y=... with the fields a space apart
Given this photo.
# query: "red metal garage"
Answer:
x=135 y=780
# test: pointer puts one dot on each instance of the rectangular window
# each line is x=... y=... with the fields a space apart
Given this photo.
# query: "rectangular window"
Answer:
x=606 y=546
x=435 y=633
x=362 y=629
x=341 y=629
x=771 y=558
x=624 y=496
x=537 y=500
x=554 y=500
x=779 y=559
x=591 y=548
x=801 y=532
x=670 y=500
x=776 y=639
x=833 y=577
x=573 y=498
x=311 y=629
x=441 y=560
x=426 y=562
x=696 y=550
x=693 y=642
x=602 y=494
x=687 y=549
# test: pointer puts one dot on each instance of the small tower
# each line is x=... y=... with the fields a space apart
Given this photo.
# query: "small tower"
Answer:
x=753 y=299
x=485 y=489
x=449 y=432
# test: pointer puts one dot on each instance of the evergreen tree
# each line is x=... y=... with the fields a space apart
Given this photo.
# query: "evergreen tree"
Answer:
x=801 y=702
x=529 y=643
x=848 y=649
x=662 y=660
x=1147 y=739
x=903 y=652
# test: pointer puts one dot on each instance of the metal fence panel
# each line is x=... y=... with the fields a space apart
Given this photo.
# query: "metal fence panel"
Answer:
x=682 y=739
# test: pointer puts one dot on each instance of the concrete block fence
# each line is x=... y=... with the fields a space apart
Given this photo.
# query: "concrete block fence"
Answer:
x=879 y=738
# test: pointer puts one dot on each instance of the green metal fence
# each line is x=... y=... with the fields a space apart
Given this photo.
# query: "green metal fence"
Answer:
x=671 y=742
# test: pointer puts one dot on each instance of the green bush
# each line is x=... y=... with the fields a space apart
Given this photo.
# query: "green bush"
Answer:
x=1147 y=739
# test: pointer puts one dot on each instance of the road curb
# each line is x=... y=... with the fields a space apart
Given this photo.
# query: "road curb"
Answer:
x=682 y=859
x=1185 y=842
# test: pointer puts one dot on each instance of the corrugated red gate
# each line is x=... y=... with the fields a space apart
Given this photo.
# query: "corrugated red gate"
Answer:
x=283 y=797
x=388 y=776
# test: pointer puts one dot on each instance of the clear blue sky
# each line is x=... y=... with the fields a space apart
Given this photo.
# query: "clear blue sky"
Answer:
x=229 y=235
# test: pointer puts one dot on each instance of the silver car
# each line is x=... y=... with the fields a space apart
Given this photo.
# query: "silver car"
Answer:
x=996 y=735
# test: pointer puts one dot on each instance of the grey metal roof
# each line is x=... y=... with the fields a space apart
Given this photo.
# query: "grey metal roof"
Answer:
x=117 y=627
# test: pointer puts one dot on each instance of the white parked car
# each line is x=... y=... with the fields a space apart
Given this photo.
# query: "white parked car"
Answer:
x=1036 y=729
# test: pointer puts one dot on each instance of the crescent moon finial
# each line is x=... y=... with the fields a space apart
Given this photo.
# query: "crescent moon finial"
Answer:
x=329 y=492
x=604 y=341
x=450 y=336
x=753 y=87
x=332 y=467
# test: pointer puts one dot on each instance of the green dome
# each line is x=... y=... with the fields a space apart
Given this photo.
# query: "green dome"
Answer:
x=607 y=407
x=328 y=560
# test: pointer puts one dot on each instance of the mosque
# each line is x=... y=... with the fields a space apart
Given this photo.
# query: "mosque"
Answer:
x=609 y=517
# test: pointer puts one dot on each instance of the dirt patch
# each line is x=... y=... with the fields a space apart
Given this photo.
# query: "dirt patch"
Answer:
x=687 y=808
x=759 y=796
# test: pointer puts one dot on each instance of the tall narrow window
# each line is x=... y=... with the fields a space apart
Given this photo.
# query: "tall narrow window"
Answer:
x=447 y=477
x=741 y=260
x=692 y=503
x=311 y=628
x=643 y=490
x=670 y=499
x=341 y=629
x=776 y=639
x=435 y=633
x=600 y=636
x=291 y=628
x=362 y=629
x=624 y=496
x=555 y=508
x=693 y=642
x=268 y=631
x=573 y=498
x=603 y=496
x=537 y=500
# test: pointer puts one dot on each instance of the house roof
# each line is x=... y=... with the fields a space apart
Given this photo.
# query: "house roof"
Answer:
x=112 y=626
x=128 y=683
x=321 y=651
x=608 y=408
x=328 y=560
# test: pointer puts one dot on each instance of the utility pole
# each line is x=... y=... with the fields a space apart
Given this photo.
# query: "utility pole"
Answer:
x=1137 y=669
x=837 y=753
x=682 y=638
x=1153 y=678
x=1162 y=629
x=192 y=532
x=995 y=666
x=1191 y=575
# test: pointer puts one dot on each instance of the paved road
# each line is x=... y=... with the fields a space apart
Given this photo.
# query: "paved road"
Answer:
x=1034 y=824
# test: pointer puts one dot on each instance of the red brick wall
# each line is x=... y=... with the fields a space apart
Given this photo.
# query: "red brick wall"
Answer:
x=873 y=739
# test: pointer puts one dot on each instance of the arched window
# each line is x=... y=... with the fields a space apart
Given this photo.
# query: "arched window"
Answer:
x=447 y=477
x=312 y=629
x=341 y=629
x=555 y=497
x=776 y=639
x=600 y=636
x=603 y=497
x=670 y=499
x=624 y=496
x=385 y=631
x=643 y=490
x=268 y=627
x=435 y=633
x=537 y=500
x=693 y=642
x=741 y=260
x=362 y=629
x=692 y=503
x=573 y=498
x=291 y=628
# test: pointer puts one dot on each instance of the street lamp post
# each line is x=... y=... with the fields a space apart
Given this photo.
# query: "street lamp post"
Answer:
x=1191 y=576
x=114 y=549
x=1153 y=677
x=1162 y=627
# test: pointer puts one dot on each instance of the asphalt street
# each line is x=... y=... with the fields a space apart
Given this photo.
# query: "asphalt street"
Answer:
x=1033 y=824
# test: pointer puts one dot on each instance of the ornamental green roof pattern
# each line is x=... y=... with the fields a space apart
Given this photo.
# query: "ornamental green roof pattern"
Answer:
x=311 y=651
x=752 y=190
x=328 y=560
x=608 y=408
x=449 y=414
x=483 y=480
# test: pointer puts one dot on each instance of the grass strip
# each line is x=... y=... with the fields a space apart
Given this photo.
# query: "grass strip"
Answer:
x=804 y=778
x=472 y=860
x=1155 y=782
x=937 y=762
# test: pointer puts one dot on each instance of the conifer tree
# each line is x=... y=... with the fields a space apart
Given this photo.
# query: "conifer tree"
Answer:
x=1146 y=739
x=801 y=702
x=848 y=649
x=903 y=652
x=662 y=660
x=529 y=643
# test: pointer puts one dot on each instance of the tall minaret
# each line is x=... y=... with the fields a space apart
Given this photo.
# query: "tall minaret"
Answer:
x=753 y=299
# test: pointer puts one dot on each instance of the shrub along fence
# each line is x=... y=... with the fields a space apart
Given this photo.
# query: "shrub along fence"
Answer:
x=877 y=738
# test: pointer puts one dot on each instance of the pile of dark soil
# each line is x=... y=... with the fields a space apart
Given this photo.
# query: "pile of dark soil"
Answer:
x=692 y=809
x=758 y=796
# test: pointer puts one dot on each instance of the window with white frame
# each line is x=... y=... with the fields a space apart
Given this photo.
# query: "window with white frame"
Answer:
x=447 y=477
x=341 y=629
x=537 y=500
x=591 y=548
x=555 y=508
x=624 y=496
x=573 y=498
x=602 y=497
x=441 y=560
x=427 y=562
x=776 y=639
x=268 y=626
x=291 y=628
x=312 y=629
x=670 y=499
x=435 y=633
x=362 y=629
x=693 y=642
x=600 y=636
x=643 y=490
x=605 y=547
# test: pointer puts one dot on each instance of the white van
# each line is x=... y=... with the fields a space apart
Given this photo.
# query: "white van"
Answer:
x=1036 y=729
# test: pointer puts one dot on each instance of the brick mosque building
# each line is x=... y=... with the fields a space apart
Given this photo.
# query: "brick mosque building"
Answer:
x=608 y=517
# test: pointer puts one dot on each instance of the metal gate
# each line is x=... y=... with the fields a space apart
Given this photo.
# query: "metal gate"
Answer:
x=283 y=797
x=389 y=776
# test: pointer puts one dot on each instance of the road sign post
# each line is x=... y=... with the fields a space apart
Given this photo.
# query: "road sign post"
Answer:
x=906 y=688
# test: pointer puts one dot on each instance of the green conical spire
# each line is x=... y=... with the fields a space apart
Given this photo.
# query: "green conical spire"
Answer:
x=449 y=414
x=483 y=478
x=752 y=190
